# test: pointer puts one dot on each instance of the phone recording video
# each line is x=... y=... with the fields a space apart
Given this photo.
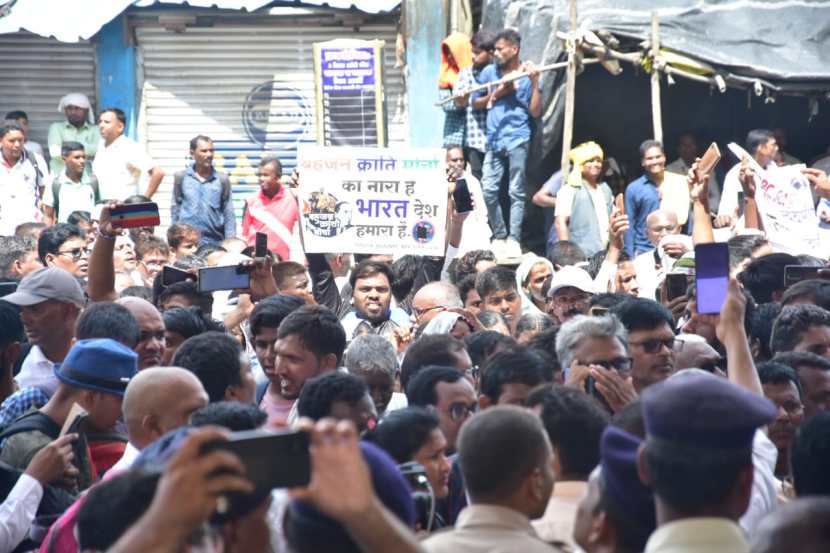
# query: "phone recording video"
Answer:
x=462 y=197
x=797 y=273
x=261 y=245
x=271 y=459
x=233 y=277
x=172 y=275
x=711 y=276
x=135 y=215
x=676 y=286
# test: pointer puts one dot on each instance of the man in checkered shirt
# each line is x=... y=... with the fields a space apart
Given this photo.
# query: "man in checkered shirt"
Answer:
x=475 y=142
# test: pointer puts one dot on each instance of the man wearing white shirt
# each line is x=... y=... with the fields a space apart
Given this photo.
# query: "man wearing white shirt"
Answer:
x=476 y=230
x=50 y=300
x=156 y=401
x=761 y=145
x=121 y=162
x=18 y=510
x=22 y=177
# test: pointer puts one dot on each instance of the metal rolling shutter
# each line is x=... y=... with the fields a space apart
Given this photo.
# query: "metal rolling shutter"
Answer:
x=249 y=87
x=37 y=72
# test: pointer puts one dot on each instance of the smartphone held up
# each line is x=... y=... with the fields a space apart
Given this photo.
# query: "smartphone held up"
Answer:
x=711 y=276
x=128 y=216
x=271 y=459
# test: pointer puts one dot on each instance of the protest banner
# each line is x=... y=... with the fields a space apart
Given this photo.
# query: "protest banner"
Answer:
x=785 y=202
x=372 y=200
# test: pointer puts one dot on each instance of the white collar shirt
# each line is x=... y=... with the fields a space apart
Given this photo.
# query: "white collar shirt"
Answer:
x=119 y=167
x=37 y=372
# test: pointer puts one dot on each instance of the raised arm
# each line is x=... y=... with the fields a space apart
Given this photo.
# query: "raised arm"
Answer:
x=731 y=332
x=699 y=194
x=752 y=218
x=101 y=285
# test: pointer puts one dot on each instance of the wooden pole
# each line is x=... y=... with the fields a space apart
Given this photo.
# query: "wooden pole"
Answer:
x=570 y=93
x=656 y=110
x=514 y=76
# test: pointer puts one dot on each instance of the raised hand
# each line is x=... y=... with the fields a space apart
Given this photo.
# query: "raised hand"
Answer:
x=698 y=184
x=819 y=180
x=616 y=390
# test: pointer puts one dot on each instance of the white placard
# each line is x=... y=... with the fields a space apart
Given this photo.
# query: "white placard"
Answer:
x=373 y=200
x=785 y=203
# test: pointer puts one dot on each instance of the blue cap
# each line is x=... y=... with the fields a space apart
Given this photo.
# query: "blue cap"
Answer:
x=621 y=482
x=317 y=532
x=704 y=411
x=99 y=364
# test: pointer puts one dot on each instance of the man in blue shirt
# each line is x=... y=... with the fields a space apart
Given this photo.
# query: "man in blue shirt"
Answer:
x=642 y=197
x=510 y=108
x=202 y=196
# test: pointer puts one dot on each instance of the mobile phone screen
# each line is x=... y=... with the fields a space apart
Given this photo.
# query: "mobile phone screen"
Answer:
x=271 y=459
x=797 y=273
x=171 y=275
x=223 y=278
x=261 y=245
x=711 y=276
x=135 y=215
x=461 y=196
x=675 y=286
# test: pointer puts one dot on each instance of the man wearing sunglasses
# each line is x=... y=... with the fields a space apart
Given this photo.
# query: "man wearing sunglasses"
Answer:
x=651 y=340
x=64 y=246
x=594 y=353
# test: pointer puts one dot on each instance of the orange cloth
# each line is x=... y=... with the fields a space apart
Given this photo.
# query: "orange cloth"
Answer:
x=461 y=49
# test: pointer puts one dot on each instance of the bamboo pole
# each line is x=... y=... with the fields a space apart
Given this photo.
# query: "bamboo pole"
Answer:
x=656 y=110
x=510 y=78
x=570 y=93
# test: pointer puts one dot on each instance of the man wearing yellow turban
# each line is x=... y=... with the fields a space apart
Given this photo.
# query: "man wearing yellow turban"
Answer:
x=584 y=203
x=456 y=55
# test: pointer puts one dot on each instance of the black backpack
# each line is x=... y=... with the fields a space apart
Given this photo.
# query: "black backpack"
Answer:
x=31 y=421
x=178 y=193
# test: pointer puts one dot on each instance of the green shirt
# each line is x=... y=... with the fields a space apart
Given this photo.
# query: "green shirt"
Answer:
x=64 y=131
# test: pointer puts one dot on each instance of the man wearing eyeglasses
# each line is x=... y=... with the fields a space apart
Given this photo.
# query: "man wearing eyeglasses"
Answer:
x=651 y=340
x=594 y=353
x=449 y=393
x=64 y=246
x=432 y=299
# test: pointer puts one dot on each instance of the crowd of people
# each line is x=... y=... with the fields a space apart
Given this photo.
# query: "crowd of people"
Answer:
x=576 y=401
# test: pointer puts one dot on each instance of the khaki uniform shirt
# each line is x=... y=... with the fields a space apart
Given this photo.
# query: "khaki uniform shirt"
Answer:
x=557 y=524
x=698 y=535
x=487 y=528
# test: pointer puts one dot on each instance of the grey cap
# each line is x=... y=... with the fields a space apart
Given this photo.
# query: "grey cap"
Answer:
x=49 y=283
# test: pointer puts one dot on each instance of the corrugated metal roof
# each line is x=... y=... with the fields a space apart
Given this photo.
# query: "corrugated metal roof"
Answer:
x=67 y=21
x=366 y=6
x=60 y=18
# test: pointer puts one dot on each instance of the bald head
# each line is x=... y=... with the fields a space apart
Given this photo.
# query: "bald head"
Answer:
x=158 y=400
x=427 y=301
x=150 y=347
x=661 y=223
x=802 y=525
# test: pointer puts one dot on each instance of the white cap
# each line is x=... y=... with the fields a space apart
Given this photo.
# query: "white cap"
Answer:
x=570 y=276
